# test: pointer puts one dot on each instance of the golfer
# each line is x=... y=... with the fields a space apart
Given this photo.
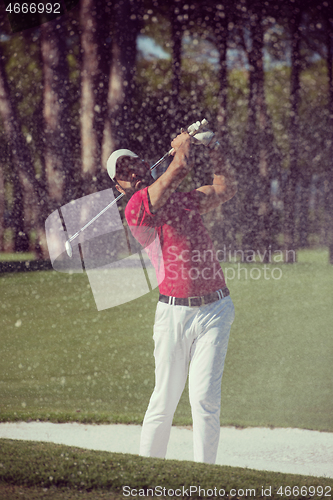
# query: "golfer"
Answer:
x=195 y=311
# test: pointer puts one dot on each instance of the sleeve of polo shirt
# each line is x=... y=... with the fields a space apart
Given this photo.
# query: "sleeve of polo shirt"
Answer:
x=140 y=219
x=137 y=211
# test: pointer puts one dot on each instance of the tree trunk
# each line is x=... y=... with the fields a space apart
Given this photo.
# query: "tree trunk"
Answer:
x=264 y=138
x=20 y=153
x=96 y=58
x=304 y=185
x=220 y=26
x=261 y=156
x=224 y=219
x=57 y=151
x=21 y=238
x=119 y=129
x=329 y=186
x=18 y=145
x=289 y=198
x=256 y=175
x=2 y=207
x=176 y=37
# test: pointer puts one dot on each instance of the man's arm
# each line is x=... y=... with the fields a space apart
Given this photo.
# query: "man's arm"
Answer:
x=164 y=186
x=224 y=185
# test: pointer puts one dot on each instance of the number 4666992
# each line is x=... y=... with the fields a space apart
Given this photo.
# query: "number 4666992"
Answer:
x=33 y=8
x=309 y=491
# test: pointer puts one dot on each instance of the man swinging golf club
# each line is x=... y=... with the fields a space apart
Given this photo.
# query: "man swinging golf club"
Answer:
x=195 y=311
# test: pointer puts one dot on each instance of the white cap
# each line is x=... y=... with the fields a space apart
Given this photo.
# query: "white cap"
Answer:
x=112 y=161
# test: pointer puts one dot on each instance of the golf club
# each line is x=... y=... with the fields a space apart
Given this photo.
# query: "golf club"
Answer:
x=68 y=246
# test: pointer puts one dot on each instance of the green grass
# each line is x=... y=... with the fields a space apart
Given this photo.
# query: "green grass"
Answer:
x=63 y=360
x=58 y=471
x=16 y=257
x=15 y=492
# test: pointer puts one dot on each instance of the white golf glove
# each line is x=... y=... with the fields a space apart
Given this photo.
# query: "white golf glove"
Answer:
x=204 y=137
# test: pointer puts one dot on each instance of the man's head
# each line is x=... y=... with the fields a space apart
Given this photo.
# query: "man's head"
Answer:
x=128 y=171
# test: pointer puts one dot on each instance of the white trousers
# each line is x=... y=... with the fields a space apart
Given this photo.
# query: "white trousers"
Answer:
x=194 y=341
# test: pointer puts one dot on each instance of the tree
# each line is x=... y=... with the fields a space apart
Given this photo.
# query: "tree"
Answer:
x=329 y=186
x=95 y=18
x=59 y=165
x=176 y=37
x=21 y=160
x=224 y=220
x=2 y=205
x=259 y=157
x=119 y=128
x=220 y=27
x=289 y=198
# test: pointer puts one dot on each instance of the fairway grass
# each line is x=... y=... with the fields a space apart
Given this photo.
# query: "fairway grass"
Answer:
x=62 y=360
x=64 y=472
x=16 y=257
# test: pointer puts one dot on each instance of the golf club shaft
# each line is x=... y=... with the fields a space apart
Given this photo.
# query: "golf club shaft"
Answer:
x=112 y=202
x=96 y=217
x=161 y=159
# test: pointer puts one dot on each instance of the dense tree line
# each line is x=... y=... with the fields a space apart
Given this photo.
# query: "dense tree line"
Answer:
x=74 y=89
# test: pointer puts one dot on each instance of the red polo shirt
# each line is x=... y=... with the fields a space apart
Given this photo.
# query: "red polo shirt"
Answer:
x=190 y=264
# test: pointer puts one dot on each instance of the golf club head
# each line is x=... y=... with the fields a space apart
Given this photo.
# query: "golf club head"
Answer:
x=69 y=249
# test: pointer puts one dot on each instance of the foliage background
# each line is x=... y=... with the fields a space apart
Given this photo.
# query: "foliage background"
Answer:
x=75 y=88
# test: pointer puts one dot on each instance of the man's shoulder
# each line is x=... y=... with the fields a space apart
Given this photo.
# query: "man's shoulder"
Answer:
x=136 y=204
x=136 y=198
